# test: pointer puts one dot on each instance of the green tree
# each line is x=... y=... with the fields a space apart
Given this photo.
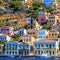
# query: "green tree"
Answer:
x=47 y=27
x=15 y=37
x=1 y=24
x=3 y=41
x=1 y=1
x=17 y=5
x=36 y=5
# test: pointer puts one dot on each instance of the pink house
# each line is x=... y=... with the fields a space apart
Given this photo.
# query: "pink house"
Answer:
x=41 y=17
x=6 y=30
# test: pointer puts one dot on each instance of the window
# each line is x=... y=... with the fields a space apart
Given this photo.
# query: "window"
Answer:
x=47 y=45
x=35 y=52
x=7 y=52
x=15 y=52
x=33 y=32
x=53 y=52
x=46 y=51
x=53 y=45
x=35 y=45
x=39 y=52
x=52 y=34
x=50 y=46
x=41 y=45
x=55 y=34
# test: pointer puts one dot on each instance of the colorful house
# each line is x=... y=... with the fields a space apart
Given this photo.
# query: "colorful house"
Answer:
x=1 y=49
x=14 y=24
x=28 y=39
x=41 y=33
x=22 y=32
x=32 y=32
x=41 y=17
x=4 y=37
x=6 y=30
x=52 y=34
x=57 y=27
x=52 y=19
x=11 y=48
x=23 y=49
x=21 y=22
x=14 y=48
x=49 y=3
x=49 y=47
x=58 y=20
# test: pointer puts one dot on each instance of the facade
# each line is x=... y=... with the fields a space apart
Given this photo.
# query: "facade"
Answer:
x=32 y=32
x=14 y=24
x=58 y=20
x=24 y=49
x=1 y=49
x=52 y=19
x=22 y=32
x=16 y=49
x=49 y=3
x=6 y=30
x=28 y=39
x=58 y=7
x=21 y=22
x=56 y=27
x=53 y=34
x=41 y=34
x=42 y=17
x=11 y=48
x=4 y=37
x=49 y=47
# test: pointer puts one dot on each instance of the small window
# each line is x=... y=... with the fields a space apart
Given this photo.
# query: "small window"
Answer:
x=47 y=45
x=38 y=52
x=33 y=32
x=41 y=45
x=53 y=45
x=35 y=45
x=53 y=52
x=35 y=52
x=15 y=52
x=52 y=34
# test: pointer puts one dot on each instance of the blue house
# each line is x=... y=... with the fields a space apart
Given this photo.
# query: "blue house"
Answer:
x=16 y=49
x=29 y=19
x=49 y=47
x=41 y=33
x=49 y=3
x=11 y=48
x=24 y=49
x=21 y=31
x=4 y=37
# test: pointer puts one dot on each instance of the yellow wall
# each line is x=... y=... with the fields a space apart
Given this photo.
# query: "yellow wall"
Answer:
x=52 y=35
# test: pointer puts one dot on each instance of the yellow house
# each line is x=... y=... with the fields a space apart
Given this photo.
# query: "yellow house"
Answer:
x=52 y=34
x=28 y=39
x=32 y=32
x=58 y=19
x=21 y=22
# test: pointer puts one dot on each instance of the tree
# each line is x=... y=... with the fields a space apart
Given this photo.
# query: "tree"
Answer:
x=47 y=27
x=17 y=5
x=1 y=1
x=15 y=37
x=3 y=41
x=1 y=24
x=36 y=5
